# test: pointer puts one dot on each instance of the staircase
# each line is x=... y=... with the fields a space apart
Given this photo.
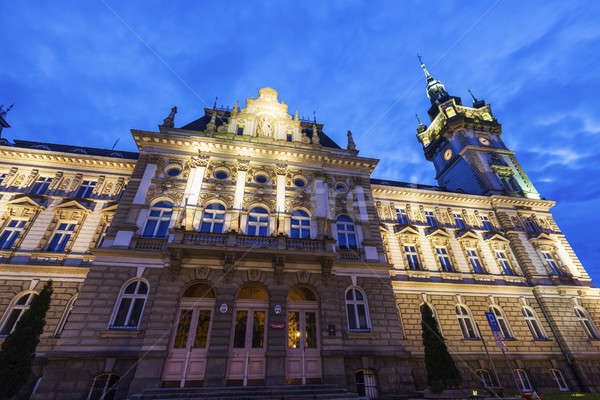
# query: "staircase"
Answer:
x=287 y=392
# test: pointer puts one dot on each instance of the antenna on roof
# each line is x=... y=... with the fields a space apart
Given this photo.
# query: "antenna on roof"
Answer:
x=215 y=105
x=115 y=144
x=315 y=117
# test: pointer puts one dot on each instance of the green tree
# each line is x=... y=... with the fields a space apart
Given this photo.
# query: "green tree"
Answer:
x=18 y=349
x=441 y=372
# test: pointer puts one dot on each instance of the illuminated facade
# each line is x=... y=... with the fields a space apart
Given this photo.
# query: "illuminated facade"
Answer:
x=247 y=248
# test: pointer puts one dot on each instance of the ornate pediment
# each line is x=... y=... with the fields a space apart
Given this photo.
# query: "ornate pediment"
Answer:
x=25 y=201
x=466 y=234
x=436 y=232
x=495 y=236
x=73 y=205
x=406 y=229
x=542 y=239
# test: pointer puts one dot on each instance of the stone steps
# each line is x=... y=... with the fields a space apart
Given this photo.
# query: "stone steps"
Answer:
x=287 y=392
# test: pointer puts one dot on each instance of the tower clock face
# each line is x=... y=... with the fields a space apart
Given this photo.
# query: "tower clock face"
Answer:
x=484 y=141
x=447 y=154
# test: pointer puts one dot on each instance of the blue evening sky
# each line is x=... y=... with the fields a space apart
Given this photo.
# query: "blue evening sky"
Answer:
x=78 y=75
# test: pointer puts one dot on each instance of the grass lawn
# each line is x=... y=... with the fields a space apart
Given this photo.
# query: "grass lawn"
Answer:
x=572 y=396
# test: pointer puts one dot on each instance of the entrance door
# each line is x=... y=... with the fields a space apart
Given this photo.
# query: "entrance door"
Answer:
x=303 y=361
x=249 y=337
x=186 y=362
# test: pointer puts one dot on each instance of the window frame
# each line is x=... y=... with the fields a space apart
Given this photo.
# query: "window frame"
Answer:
x=65 y=235
x=213 y=219
x=354 y=302
x=551 y=263
x=402 y=216
x=346 y=221
x=533 y=321
x=16 y=232
x=486 y=223
x=558 y=377
x=412 y=253
x=160 y=218
x=503 y=262
x=474 y=259
x=458 y=217
x=520 y=374
x=299 y=226
x=503 y=322
x=13 y=305
x=446 y=256
x=430 y=218
x=465 y=321
x=86 y=189
x=259 y=222
x=65 y=316
x=586 y=322
x=41 y=185
x=133 y=296
x=106 y=389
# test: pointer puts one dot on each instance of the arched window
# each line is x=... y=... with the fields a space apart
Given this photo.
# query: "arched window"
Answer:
x=346 y=232
x=213 y=218
x=300 y=224
x=366 y=383
x=533 y=324
x=14 y=313
x=104 y=387
x=502 y=322
x=159 y=219
x=559 y=378
x=466 y=323
x=65 y=316
x=586 y=322
x=486 y=379
x=358 y=310
x=130 y=305
x=523 y=380
x=258 y=222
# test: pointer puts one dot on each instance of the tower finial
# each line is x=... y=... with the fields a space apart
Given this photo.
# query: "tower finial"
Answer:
x=215 y=105
x=477 y=103
x=427 y=74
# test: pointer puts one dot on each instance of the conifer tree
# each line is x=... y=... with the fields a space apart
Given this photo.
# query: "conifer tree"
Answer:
x=441 y=372
x=18 y=349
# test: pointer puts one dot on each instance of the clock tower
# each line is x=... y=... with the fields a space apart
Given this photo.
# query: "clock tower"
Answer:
x=466 y=149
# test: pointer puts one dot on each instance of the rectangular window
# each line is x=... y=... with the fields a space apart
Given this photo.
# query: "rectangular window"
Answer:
x=401 y=216
x=202 y=329
x=431 y=221
x=11 y=233
x=504 y=263
x=61 y=237
x=239 y=339
x=475 y=261
x=485 y=223
x=412 y=257
x=41 y=185
x=444 y=259
x=258 y=330
x=240 y=131
x=459 y=222
x=183 y=327
x=551 y=263
x=86 y=189
x=289 y=138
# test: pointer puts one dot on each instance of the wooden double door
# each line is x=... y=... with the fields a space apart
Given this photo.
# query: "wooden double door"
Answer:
x=246 y=364
x=186 y=362
x=303 y=359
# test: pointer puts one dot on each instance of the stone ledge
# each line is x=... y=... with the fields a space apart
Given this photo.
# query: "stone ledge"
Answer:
x=121 y=333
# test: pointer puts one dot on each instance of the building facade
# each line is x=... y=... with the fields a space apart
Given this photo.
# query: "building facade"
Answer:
x=248 y=248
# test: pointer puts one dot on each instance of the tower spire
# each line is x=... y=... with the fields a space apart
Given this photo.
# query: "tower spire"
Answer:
x=436 y=92
x=420 y=126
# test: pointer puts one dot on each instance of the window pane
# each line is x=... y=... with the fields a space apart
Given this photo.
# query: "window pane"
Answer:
x=11 y=321
x=358 y=294
x=311 y=330
x=182 y=329
x=262 y=231
x=150 y=227
x=205 y=227
x=130 y=289
x=362 y=316
x=163 y=228
x=352 y=241
x=258 y=329
x=202 y=328
x=136 y=312
x=351 y=316
x=63 y=243
x=122 y=312
x=251 y=230
x=142 y=288
x=295 y=233
x=54 y=242
x=293 y=329
x=218 y=227
x=239 y=340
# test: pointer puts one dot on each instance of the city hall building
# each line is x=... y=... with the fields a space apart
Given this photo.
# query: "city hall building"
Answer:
x=248 y=249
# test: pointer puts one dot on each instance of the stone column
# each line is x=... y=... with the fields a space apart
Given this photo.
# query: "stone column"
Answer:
x=276 y=339
x=280 y=210
x=193 y=187
x=220 y=335
x=238 y=198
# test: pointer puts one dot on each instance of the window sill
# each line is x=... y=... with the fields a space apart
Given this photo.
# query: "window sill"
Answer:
x=360 y=334
x=471 y=339
x=121 y=332
x=542 y=340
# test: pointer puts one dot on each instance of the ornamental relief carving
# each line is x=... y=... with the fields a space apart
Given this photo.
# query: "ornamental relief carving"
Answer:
x=173 y=192
x=206 y=197
x=251 y=199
